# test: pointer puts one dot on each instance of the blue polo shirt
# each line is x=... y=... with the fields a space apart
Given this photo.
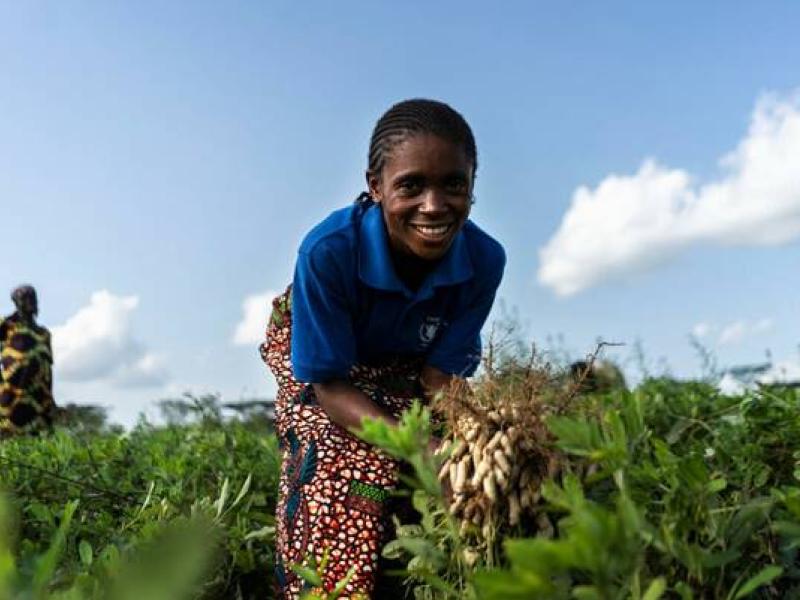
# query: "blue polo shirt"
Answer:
x=349 y=306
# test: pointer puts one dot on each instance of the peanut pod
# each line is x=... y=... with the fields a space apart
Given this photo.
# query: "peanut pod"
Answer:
x=500 y=478
x=477 y=456
x=470 y=433
x=458 y=504
x=461 y=476
x=446 y=471
x=490 y=487
x=483 y=438
x=452 y=470
x=480 y=473
x=513 y=509
x=501 y=461
x=455 y=447
x=508 y=447
x=493 y=443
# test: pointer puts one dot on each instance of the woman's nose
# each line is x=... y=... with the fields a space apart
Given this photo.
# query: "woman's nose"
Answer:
x=433 y=201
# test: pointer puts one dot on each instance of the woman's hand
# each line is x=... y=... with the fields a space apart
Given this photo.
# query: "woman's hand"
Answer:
x=346 y=405
x=434 y=381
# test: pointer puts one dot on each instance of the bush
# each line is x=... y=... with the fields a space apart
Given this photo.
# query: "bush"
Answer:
x=127 y=490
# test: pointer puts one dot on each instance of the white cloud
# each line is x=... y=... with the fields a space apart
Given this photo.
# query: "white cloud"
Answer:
x=732 y=333
x=730 y=386
x=631 y=223
x=786 y=371
x=781 y=372
x=739 y=330
x=96 y=343
x=148 y=370
x=701 y=330
x=255 y=311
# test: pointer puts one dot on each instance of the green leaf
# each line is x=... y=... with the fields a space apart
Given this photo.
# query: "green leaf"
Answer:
x=715 y=560
x=307 y=575
x=393 y=550
x=763 y=577
x=656 y=589
x=46 y=565
x=420 y=547
x=265 y=533
x=244 y=490
x=717 y=485
x=499 y=585
x=684 y=590
x=223 y=496
x=586 y=592
x=576 y=436
x=341 y=584
x=85 y=552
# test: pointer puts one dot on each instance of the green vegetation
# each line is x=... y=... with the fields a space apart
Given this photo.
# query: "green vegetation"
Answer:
x=92 y=511
x=666 y=491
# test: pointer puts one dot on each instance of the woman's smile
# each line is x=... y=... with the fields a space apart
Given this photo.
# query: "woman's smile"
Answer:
x=434 y=232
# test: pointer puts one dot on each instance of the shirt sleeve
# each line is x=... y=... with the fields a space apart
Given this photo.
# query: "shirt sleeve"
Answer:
x=323 y=342
x=458 y=351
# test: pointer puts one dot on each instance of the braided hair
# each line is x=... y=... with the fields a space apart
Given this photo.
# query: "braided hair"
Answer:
x=418 y=116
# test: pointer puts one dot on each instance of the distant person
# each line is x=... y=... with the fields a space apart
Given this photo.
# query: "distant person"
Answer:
x=599 y=376
x=387 y=304
x=26 y=358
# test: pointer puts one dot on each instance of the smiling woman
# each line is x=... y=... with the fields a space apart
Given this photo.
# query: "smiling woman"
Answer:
x=387 y=304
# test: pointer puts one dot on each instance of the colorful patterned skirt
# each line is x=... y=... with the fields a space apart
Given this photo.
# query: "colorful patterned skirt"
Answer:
x=334 y=488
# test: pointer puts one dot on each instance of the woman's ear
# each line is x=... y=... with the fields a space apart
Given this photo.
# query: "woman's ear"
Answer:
x=374 y=186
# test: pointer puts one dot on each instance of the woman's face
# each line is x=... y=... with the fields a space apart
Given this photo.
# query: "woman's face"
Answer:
x=425 y=189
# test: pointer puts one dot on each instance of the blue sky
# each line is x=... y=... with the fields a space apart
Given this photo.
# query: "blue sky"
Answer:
x=160 y=162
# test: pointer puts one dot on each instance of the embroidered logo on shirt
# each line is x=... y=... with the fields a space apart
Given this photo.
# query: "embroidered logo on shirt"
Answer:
x=428 y=330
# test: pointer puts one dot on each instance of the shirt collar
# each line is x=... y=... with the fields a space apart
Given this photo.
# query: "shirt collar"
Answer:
x=375 y=267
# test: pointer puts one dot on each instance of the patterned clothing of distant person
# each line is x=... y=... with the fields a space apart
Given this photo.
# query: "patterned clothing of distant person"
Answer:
x=26 y=382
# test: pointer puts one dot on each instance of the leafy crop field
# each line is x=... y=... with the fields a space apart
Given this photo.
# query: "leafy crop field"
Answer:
x=109 y=515
x=666 y=491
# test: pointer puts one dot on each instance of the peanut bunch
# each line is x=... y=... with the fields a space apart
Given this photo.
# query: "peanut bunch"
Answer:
x=491 y=470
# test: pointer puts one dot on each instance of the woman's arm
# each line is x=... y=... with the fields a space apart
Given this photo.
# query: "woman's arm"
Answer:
x=346 y=405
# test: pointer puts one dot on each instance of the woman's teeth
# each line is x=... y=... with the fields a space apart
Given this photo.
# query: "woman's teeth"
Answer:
x=426 y=230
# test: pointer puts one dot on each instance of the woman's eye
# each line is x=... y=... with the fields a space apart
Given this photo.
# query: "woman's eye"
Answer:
x=457 y=186
x=409 y=187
